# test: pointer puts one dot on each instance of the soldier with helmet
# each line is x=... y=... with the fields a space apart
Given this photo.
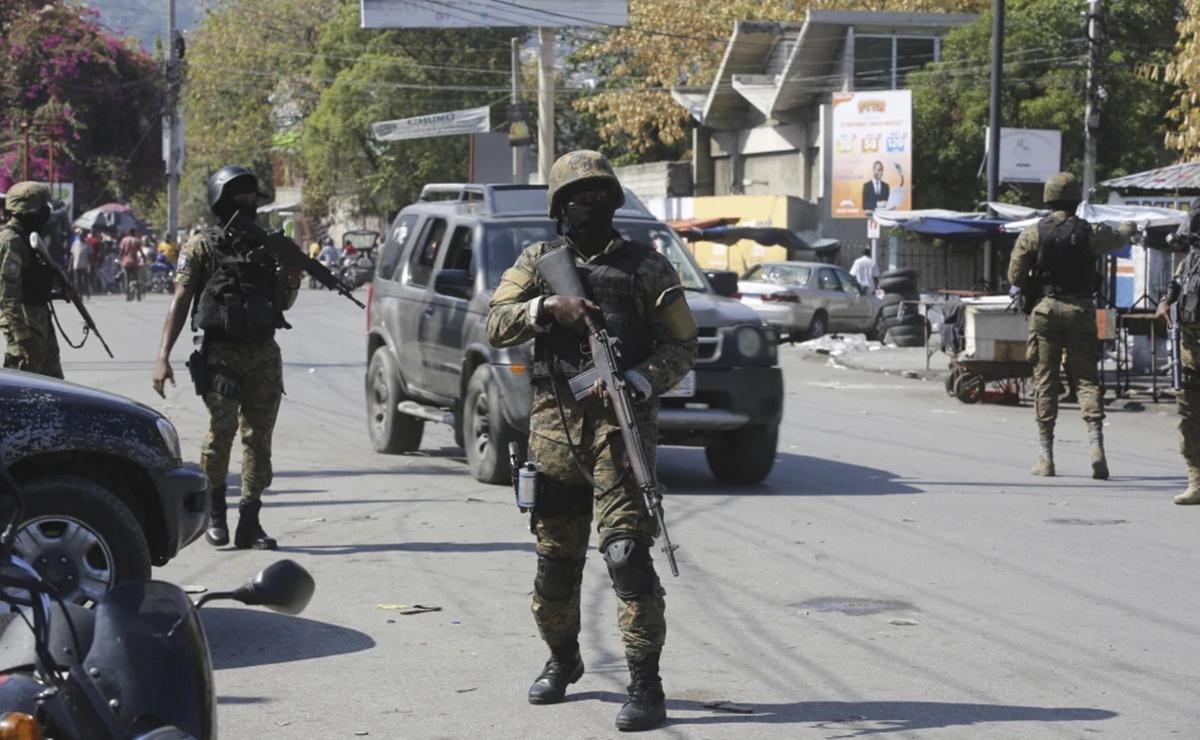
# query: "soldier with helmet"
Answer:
x=1055 y=264
x=577 y=444
x=237 y=295
x=1184 y=289
x=26 y=284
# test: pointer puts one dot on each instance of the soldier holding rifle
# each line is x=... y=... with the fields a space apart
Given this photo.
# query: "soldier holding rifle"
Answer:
x=1182 y=301
x=576 y=441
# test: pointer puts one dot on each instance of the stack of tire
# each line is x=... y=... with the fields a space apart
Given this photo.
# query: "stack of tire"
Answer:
x=901 y=323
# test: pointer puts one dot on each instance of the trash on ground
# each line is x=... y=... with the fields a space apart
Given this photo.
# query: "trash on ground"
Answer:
x=406 y=609
x=730 y=706
x=194 y=589
x=839 y=344
x=464 y=691
x=904 y=622
x=316 y=519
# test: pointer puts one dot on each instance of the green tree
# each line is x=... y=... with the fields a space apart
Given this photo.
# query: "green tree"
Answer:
x=1045 y=59
x=1183 y=70
x=248 y=87
x=376 y=75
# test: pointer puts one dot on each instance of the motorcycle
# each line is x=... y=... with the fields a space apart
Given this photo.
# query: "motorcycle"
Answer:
x=162 y=274
x=137 y=668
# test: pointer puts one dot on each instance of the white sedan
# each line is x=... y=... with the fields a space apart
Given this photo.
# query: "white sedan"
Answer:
x=805 y=300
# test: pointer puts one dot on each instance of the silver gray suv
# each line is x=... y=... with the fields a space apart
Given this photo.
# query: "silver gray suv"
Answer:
x=429 y=360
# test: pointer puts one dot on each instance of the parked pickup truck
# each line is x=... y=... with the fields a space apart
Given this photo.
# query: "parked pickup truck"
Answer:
x=429 y=359
x=105 y=493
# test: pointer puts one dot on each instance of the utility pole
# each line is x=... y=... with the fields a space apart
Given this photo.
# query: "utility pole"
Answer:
x=519 y=153
x=1091 y=118
x=994 y=121
x=545 y=102
x=171 y=121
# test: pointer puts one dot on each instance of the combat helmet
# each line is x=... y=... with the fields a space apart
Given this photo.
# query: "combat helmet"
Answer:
x=575 y=168
x=1062 y=187
x=225 y=181
x=27 y=197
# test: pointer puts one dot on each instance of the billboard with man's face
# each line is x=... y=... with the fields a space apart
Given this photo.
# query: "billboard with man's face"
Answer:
x=872 y=152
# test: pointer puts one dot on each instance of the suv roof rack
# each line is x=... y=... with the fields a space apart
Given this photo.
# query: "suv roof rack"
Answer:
x=489 y=197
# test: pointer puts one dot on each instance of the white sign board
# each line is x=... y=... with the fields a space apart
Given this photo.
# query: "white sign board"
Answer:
x=872 y=229
x=470 y=121
x=1028 y=154
x=492 y=13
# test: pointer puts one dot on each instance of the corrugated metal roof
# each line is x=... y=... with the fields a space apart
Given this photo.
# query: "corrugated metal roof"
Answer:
x=1184 y=178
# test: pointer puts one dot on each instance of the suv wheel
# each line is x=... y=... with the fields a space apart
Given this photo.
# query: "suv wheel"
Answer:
x=80 y=537
x=744 y=456
x=392 y=432
x=486 y=433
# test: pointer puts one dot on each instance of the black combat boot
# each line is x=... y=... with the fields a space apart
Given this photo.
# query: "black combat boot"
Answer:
x=217 y=533
x=647 y=707
x=564 y=668
x=250 y=534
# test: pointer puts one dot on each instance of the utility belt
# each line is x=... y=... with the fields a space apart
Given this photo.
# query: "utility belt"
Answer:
x=210 y=377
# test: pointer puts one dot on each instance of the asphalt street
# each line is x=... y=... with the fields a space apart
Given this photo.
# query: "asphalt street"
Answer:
x=900 y=574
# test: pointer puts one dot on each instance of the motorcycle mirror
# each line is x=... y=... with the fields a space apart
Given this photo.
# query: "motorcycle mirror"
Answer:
x=284 y=587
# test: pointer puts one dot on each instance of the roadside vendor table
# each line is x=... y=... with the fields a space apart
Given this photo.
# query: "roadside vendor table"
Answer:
x=1138 y=323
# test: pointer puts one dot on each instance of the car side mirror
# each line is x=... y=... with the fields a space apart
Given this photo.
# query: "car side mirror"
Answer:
x=724 y=282
x=454 y=283
x=284 y=586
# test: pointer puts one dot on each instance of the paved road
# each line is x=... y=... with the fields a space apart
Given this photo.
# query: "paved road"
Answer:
x=997 y=605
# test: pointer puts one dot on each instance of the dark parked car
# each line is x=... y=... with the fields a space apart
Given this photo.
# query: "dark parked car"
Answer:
x=106 y=495
x=429 y=359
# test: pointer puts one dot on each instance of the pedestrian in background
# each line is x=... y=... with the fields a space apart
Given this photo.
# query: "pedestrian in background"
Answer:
x=1055 y=264
x=80 y=266
x=865 y=271
x=131 y=258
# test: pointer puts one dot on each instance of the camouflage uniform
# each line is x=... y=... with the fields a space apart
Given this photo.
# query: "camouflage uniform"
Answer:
x=568 y=503
x=24 y=321
x=255 y=368
x=1187 y=399
x=1060 y=323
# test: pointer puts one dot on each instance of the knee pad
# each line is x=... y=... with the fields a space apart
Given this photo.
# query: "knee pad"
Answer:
x=630 y=568
x=557 y=578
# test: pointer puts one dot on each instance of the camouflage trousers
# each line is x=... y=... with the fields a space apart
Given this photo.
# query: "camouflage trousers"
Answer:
x=1057 y=324
x=1188 y=398
x=44 y=341
x=567 y=504
x=244 y=393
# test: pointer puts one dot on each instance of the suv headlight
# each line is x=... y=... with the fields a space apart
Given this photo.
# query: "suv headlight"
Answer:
x=749 y=341
x=170 y=436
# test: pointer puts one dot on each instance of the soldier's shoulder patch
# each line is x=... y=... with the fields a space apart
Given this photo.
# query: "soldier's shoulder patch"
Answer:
x=183 y=261
x=12 y=269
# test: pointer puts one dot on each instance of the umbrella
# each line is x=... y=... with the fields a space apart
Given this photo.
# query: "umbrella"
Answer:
x=111 y=217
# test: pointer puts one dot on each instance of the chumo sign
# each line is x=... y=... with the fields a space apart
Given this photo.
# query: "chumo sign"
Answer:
x=470 y=121
x=872 y=152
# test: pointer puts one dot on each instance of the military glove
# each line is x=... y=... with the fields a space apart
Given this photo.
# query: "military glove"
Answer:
x=31 y=354
x=570 y=311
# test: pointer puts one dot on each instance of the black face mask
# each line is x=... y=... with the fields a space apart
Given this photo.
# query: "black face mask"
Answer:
x=35 y=221
x=590 y=224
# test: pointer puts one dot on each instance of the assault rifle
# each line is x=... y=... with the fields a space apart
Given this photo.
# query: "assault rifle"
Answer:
x=287 y=252
x=1173 y=346
x=89 y=324
x=557 y=268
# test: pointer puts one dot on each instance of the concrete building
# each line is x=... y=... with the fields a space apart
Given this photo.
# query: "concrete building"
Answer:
x=764 y=125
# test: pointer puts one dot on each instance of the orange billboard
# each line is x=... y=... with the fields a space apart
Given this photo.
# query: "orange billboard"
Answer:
x=872 y=152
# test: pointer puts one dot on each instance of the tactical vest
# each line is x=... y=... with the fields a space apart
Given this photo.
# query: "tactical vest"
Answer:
x=37 y=278
x=242 y=296
x=609 y=282
x=1189 y=283
x=1065 y=264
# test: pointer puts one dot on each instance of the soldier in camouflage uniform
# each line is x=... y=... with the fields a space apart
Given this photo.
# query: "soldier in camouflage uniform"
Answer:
x=26 y=285
x=585 y=469
x=1057 y=260
x=239 y=295
x=1185 y=289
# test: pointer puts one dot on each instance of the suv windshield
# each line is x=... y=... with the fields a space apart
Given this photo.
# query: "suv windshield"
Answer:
x=507 y=239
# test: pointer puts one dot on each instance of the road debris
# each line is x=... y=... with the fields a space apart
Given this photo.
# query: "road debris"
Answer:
x=406 y=609
x=904 y=622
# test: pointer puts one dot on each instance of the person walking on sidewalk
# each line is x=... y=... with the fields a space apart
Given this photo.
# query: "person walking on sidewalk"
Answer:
x=865 y=271
x=1054 y=263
